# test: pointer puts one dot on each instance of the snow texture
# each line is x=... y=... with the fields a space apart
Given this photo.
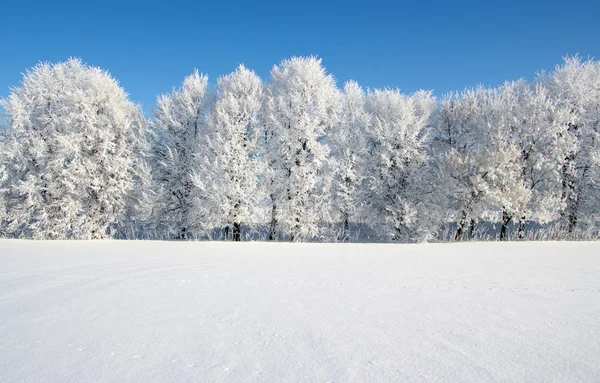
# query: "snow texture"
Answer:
x=114 y=311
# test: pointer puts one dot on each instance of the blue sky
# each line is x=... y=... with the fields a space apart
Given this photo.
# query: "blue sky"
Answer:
x=440 y=45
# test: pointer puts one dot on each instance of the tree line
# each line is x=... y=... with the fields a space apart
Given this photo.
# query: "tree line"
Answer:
x=297 y=156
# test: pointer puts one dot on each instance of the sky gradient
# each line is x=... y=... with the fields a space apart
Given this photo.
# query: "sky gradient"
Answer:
x=438 y=45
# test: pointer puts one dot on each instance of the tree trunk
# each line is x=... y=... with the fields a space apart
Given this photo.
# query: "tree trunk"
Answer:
x=226 y=233
x=569 y=215
x=572 y=221
x=574 y=211
x=461 y=227
x=521 y=232
x=182 y=233
x=273 y=229
x=471 y=228
x=346 y=228
x=237 y=232
x=505 y=220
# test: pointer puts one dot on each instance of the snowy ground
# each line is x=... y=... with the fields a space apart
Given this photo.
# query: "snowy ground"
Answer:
x=119 y=311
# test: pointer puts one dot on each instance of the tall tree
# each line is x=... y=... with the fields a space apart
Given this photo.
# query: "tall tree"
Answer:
x=537 y=125
x=72 y=153
x=396 y=131
x=228 y=172
x=349 y=148
x=477 y=161
x=576 y=85
x=177 y=123
x=299 y=110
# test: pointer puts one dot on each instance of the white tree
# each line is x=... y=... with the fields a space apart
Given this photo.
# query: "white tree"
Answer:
x=576 y=86
x=349 y=149
x=457 y=151
x=298 y=112
x=177 y=123
x=72 y=153
x=397 y=201
x=476 y=159
x=537 y=126
x=228 y=172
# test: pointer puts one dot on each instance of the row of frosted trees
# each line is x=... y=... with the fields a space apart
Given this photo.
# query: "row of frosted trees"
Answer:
x=297 y=157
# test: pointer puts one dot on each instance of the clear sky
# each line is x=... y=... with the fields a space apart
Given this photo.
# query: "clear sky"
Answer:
x=440 y=45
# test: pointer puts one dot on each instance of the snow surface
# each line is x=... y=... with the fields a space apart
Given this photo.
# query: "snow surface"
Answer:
x=118 y=311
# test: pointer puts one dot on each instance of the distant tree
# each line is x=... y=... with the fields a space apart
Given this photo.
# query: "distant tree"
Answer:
x=72 y=154
x=177 y=123
x=349 y=143
x=576 y=86
x=299 y=110
x=397 y=202
x=228 y=172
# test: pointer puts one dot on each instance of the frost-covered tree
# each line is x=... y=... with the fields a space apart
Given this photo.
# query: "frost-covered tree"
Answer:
x=177 y=123
x=72 y=153
x=298 y=111
x=349 y=150
x=576 y=86
x=476 y=159
x=228 y=172
x=510 y=190
x=537 y=126
x=397 y=202
x=458 y=150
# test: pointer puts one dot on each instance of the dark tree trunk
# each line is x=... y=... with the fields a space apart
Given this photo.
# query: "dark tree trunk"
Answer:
x=521 y=232
x=471 y=228
x=574 y=211
x=237 y=229
x=273 y=229
x=346 y=214
x=461 y=227
x=505 y=220
x=569 y=215
x=182 y=233
x=344 y=237
x=237 y=232
x=572 y=221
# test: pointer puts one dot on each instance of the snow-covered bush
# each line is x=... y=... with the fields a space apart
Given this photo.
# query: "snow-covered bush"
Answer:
x=72 y=153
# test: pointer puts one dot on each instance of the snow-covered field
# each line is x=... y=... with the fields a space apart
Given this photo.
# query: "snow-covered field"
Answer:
x=118 y=311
